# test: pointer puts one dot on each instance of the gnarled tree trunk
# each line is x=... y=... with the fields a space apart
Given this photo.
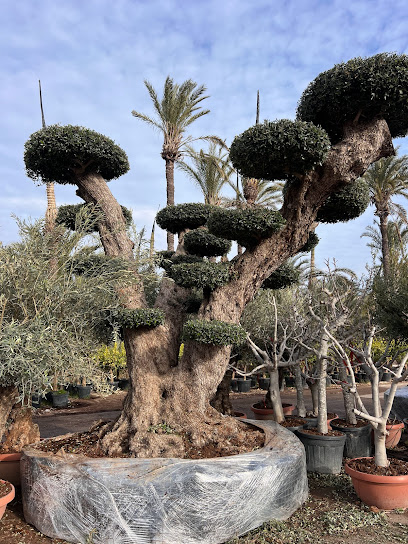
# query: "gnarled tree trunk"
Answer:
x=171 y=394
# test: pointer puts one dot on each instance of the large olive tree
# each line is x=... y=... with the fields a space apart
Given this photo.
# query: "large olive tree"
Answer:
x=346 y=120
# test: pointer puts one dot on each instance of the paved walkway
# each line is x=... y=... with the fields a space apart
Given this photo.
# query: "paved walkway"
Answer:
x=85 y=413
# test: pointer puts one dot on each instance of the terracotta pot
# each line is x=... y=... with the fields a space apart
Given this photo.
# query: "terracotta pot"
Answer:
x=384 y=492
x=10 y=467
x=267 y=413
x=394 y=436
x=239 y=414
x=6 y=499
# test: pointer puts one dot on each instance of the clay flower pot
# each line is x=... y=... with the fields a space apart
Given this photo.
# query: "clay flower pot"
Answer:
x=394 y=436
x=5 y=499
x=10 y=467
x=384 y=492
x=267 y=413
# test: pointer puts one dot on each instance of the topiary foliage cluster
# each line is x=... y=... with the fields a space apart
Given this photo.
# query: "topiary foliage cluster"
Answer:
x=282 y=277
x=166 y=259
x=203 y=243
x=274 y=150
x=142 y=317
x=203 y=275
x=312 y=242
x=218 y=333
x=60 y=153
x=68 y=217
x=177 y=218
x=361 y=89
x=248 y=227
x=346 y=204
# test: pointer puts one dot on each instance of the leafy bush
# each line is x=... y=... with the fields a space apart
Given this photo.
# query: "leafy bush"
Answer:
x=141 y=317
x=282 y=277
x=112 y=358
x=312 y=242
x=71 y=214
x=204 y=275
x=55 y=153
x=167 y=262
x=273 y=150
x=203 y=243
x=214 y=332
x=247 y=227
x=366 y=87
x=346 y=204
x=96 y=263
x=177 y=218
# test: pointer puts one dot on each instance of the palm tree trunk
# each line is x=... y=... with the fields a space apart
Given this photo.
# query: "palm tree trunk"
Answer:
x=51 y=212
x=385 y=246
x=312 y=268
x=170 y=197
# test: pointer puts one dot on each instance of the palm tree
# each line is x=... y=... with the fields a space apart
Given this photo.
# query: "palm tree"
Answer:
x=209 y=170
x=387 y=178
x=397 y=234
x=176 y=111
x=51 y=212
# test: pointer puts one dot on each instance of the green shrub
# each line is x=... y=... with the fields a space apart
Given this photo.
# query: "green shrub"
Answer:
x=346 y=204
x=96 y=264
x=366 y=87
x=248 y=227
x=203 y=275
x=54 y=153
x=274 y=150
x=282 y=277
x=214 y=332
x=141 y=317
x=177 y=218
x=167 y=262
x=69 y=215
x=312 y=242
x=203 y=243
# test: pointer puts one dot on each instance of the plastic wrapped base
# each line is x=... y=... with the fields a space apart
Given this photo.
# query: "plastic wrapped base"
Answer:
x=164 y=501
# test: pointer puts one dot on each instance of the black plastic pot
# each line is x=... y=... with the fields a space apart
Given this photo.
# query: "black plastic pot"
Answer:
x=324 y=453
x=124 y=384
x=254 y=381
x=35 y=400
x=234 y=385
x=114 y=385
x=264 y=383
x=244 y=386
x=311 y=422
x=358 y=440
x=387 y=377
x=84 y=391
x=59 y=400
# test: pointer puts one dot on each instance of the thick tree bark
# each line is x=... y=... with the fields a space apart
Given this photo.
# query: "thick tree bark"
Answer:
x=177 y=393
x=273 y=397
x=16 y=426
x=221 y=400
x=321 y=387
x=170 y=197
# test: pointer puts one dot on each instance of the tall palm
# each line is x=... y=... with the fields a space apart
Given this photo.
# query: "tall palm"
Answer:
x=387 y=178
x=175 y=112
x=210 y=170
x=397 y=234
x=51 y=212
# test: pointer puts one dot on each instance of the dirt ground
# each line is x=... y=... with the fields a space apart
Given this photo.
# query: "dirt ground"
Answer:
x=333 y=514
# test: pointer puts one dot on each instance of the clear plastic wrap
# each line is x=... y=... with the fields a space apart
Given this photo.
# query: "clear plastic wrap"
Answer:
x=399 y=408
x=164 y=501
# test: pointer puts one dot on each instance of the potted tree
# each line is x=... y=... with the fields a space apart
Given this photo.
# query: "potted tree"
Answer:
x=317 y=164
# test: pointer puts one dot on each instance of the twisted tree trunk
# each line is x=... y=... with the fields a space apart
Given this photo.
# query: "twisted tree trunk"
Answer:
x=168 y=396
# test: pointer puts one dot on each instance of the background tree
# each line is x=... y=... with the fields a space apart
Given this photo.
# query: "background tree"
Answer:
x=356 y=127
x=387 y=178
x=176 y=111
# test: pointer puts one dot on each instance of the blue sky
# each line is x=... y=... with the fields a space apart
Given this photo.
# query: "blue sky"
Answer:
x=93 y=55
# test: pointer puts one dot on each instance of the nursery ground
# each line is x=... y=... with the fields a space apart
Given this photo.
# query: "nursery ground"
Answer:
x=332 y=514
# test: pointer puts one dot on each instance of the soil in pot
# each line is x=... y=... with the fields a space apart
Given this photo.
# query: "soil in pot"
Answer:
x=324 y=453
x=293 y=423
x=358 y=437
x=383 y=487
x=262 y=413
x=7 y=494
